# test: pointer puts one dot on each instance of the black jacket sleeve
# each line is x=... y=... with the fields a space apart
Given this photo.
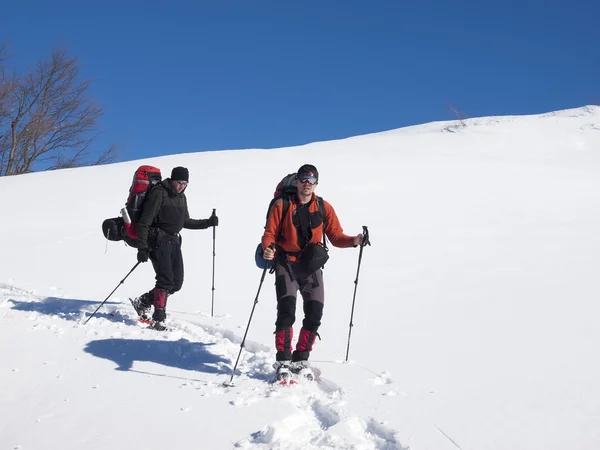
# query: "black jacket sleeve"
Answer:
x=194 y=224
x=151 y=207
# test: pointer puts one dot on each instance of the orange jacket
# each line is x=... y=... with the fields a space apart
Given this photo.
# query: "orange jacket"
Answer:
x=288 y=240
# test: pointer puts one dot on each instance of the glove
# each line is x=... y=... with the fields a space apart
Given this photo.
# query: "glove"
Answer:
x=213 y=221
x=142 y=255
x=269 y=253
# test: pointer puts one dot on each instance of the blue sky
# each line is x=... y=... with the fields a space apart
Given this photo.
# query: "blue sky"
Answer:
x=179 y=77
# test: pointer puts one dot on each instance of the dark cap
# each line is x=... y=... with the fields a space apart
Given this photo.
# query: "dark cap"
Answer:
x=180 y=174
x=309 y=169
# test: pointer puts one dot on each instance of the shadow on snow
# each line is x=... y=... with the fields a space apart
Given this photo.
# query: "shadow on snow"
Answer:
x=181 y=354
x=67 y=309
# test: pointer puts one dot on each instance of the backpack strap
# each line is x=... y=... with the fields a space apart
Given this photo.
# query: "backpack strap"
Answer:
x=163 y=195
x=321 y=205
x=286 y=208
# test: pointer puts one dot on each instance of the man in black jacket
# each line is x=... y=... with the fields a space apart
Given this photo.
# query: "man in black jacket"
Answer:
x=164 y=214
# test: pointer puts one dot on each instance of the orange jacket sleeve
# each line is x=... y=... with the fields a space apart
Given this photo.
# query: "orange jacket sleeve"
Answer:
x=272 y=229
x=333 y=229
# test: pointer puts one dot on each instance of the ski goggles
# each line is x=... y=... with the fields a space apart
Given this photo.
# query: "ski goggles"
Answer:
x=181 y=182
x=307 y=178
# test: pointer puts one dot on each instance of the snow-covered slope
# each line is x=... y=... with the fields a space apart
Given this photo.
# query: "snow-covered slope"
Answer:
x=475 y=323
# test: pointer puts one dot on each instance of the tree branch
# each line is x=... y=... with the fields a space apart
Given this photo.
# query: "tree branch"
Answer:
x=47 y=116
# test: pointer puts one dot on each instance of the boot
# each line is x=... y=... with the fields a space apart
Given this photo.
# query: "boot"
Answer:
x=142 y=306
x=158 y=319
x=158 y=326
x=302 y=370
x=283 y=373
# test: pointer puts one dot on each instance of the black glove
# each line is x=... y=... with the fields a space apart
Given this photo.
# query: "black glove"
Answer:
x=142 y=255
x=212 y=221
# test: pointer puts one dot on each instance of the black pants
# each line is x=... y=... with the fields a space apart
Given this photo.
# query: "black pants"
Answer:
x=168 y=263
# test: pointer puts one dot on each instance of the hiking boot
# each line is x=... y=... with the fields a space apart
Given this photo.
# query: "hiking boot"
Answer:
x=158 y=325
x=160 y=314
x=283 y=373
x=141 y=307
x=302 y=370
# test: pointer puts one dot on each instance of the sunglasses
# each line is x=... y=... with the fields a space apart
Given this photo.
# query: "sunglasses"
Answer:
x=307 y=179
x=183 y=183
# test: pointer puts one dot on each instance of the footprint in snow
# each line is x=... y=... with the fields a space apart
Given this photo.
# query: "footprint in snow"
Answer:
x=382 y=379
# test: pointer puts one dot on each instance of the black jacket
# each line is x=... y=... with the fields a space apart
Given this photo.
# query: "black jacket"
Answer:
x=166 y=210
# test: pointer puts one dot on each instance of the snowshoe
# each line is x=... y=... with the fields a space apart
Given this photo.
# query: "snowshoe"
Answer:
x=302 y=370
x=158 y=325
x=142 y=309
x=283 y=374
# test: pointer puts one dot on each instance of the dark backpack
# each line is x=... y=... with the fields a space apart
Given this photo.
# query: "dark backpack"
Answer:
x=286 y=190
x=124 y=227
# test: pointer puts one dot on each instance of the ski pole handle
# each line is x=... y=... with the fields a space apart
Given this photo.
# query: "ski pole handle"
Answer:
x=366 y=239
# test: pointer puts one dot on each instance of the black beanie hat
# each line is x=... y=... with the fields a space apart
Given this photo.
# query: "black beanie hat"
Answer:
x=309 y=169
x=180 y=174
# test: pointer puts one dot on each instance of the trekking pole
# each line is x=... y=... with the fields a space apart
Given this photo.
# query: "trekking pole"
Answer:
x=230 y=382
x=365 y=242
x=212 y=308
x=120 y=283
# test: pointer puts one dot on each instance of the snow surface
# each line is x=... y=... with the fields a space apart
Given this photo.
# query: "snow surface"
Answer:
x=476 y=317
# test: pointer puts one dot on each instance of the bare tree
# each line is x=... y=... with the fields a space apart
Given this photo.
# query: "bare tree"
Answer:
x=47 y=118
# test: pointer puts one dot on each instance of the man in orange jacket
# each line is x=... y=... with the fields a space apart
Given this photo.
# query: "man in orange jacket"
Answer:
x=296 y=254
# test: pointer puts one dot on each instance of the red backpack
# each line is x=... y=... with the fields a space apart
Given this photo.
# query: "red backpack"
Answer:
x=124 y=227
x=144 y=179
